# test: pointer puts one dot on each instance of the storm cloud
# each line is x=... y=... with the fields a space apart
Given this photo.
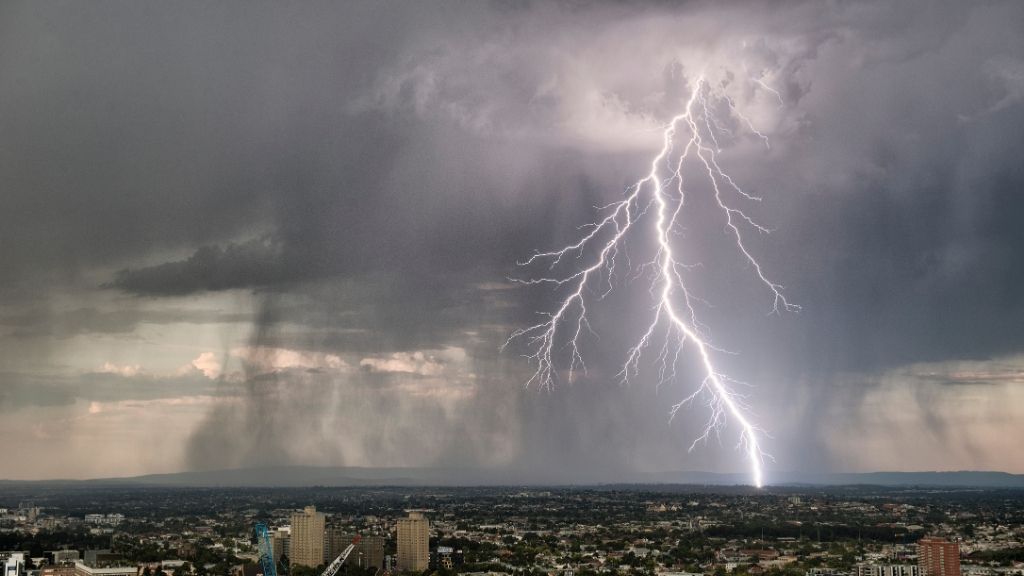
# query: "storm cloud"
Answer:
x=238 y=194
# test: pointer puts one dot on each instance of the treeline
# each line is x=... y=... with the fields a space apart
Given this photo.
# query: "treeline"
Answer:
x=45 y=541
x=1004 y=557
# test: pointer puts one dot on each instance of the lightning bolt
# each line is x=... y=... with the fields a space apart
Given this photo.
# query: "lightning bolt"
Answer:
x=655 y=203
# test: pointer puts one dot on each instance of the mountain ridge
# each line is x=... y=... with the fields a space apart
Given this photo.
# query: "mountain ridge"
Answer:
x=336 y=476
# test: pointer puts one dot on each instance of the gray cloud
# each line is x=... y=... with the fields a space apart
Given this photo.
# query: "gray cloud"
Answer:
x=41 y=390
x=251 y=264
x=371 y=172
x=37 y=323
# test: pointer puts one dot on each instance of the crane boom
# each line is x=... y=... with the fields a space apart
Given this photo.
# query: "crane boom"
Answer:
x=266 y=548
x=336 y=564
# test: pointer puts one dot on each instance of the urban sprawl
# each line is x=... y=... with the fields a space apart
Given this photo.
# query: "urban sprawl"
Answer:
x=624 y=531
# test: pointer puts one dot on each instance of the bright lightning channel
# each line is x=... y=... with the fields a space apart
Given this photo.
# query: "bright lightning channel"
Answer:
x=662 y=192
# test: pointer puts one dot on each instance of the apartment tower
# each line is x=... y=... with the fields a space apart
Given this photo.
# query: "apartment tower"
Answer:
x=307 y=538
x=938 y=557
x=413 y=543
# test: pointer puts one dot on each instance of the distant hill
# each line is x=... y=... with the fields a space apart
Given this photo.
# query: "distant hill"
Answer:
x=964 y=478
x=301 y=476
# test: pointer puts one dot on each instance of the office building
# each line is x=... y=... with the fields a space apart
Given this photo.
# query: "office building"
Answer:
x=307 y=538
x=938 y=557
x=413 y=543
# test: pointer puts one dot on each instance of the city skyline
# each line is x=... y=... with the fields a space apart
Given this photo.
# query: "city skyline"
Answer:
x=639 y=531
x=245 y=236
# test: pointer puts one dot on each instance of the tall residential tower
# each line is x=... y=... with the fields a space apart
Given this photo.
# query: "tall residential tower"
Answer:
x=413 y=543
x=307 y=539
x=938 y=557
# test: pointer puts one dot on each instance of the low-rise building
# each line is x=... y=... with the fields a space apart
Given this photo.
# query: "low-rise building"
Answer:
x=887 y=570
x=83 y=569
x=13 y=562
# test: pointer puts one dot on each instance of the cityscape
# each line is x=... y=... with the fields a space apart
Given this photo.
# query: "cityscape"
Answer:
x=556 y=531
x=512 y=287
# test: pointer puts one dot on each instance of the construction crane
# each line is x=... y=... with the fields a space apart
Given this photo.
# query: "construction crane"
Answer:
x=336 y=565
x=266 y=548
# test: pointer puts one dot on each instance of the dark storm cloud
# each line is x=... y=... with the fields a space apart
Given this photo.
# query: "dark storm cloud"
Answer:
x=372 y=171
x=36 y=323
x=211 y=268
x=134 y=129
x=924 y=253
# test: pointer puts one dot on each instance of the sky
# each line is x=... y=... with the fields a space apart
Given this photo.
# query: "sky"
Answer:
x=245 y=234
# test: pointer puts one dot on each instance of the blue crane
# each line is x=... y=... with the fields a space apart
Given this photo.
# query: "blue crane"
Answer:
x=266 y=548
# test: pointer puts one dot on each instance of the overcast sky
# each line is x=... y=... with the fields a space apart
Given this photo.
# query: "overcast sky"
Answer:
x=238 y=234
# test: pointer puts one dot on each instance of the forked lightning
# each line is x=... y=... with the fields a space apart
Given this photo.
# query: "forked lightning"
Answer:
x=655 y=203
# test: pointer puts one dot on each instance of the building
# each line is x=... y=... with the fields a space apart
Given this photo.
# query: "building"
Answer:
x=62 y=556
x=413 y=543
x=887 y=570
x=370 y=552
x=14 y=563
x=104 y=519
x=938 y=557
x=59 y=570
x=336 y=539
x=445 y=561
x=102 y=558
x=307 y=538
x=82 y=569
x=280 y=542
x=824 y=572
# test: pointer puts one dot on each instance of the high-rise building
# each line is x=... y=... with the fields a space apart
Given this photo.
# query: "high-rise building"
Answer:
x=307 y=538
x=280 y=542
x=938 y=557
x=336 y=539
x=413 y=543
x=371 y=552
x=368 y=551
